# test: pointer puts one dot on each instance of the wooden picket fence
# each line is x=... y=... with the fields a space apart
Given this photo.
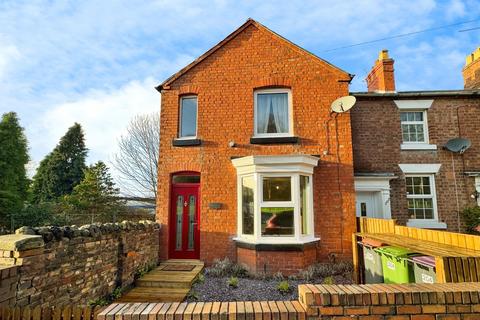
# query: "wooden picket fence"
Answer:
x=457 y=255
x=68 y=312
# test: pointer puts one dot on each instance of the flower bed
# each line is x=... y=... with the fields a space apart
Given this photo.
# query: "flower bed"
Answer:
x=227 y=281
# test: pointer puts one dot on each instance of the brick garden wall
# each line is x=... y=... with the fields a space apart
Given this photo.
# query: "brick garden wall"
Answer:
x=224 y=84
x=459 y=301
x=68 y=265
x=376 y=135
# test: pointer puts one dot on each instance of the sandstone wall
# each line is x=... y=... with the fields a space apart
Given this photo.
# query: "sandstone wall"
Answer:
x=52 y=265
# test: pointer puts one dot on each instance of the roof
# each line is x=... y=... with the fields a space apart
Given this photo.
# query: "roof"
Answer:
x=414 y=94
x=231 y=36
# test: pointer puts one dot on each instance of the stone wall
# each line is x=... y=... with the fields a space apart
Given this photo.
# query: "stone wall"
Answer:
x=70 y=265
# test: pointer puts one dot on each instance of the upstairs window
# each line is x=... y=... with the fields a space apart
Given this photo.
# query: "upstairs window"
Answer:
x=414 y=128
x=188 y=117
x=273 y=116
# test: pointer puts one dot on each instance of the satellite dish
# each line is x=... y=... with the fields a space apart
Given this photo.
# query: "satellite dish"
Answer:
x=343 y=104
x=458 y=145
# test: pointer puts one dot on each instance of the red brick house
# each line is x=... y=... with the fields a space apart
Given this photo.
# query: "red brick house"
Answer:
x=402 y=169
x=252 y=165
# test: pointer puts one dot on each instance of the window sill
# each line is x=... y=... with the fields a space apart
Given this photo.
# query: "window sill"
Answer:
x=285 y=246
x=418 y=146
x=273 y=140
x=426 y=224
x=186 y=142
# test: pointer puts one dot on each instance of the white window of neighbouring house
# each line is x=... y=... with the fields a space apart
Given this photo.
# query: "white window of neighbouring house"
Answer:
x=414 y=124
x=414 y=129
x=421 y=197
x=275 y=198
x=273 y=113
x=188 y=117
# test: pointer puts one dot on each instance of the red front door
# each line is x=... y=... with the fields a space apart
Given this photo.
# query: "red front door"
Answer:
x=184 y=235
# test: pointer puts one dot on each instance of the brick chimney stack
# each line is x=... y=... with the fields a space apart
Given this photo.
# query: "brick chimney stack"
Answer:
x=471 y=71
x=381 y=78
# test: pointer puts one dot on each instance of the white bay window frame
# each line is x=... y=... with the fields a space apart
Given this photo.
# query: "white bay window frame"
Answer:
x=260 y=167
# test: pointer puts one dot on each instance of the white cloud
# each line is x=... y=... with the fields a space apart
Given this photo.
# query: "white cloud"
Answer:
x=8 y=56
x=104 y=115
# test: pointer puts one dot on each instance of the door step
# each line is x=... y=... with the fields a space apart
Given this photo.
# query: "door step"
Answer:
x=163 y=285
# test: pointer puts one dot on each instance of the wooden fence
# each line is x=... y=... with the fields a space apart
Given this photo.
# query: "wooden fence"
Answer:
x=467 y=241
x=50 y=313
x=457 y=255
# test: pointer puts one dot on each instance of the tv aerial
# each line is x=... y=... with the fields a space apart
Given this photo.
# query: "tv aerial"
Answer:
x=458 y=145
x=343 y=104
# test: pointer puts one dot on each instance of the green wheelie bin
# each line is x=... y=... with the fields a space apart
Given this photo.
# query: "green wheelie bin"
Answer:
x=395 y=264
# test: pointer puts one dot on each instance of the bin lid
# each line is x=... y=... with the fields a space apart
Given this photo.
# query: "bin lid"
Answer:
x=372 y=243
x=425 y=260
x=394 y=251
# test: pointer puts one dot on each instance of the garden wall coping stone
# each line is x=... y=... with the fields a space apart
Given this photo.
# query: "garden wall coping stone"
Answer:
x=20 y=242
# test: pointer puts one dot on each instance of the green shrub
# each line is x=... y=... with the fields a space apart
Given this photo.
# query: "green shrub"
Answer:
x=322 y=270
x=284 y=287
x=192 y=294
x=329 y=280
x=225 y=267
x=200 y=278
x=98 y=302
x=472 y=219
x=233 y=282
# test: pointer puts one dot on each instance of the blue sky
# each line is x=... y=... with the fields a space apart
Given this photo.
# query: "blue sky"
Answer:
x=96 y=62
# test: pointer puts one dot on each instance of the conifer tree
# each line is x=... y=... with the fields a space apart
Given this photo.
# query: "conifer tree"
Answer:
x=62 y=169
x=95 y=198
x=13 y=158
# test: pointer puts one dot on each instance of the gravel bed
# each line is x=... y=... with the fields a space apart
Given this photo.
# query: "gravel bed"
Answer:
x=250 y=289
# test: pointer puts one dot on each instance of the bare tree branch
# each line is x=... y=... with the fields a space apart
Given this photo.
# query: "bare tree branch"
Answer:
x=137 y=159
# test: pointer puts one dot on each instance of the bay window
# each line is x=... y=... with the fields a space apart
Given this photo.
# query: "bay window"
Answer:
x=275 y=198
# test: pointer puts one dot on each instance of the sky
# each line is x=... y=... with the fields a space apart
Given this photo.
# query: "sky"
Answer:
x=97 y=62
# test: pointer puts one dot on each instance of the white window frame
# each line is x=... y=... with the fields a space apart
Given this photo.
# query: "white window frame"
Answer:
x=416 y=106
x=432 y=195
x=180 y=119
x=290 y=113
x=424 y=123
x=276 y=169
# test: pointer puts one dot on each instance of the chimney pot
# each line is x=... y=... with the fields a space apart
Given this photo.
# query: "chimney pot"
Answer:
x=382 y=78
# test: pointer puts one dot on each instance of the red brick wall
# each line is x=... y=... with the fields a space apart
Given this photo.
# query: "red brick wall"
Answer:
x=225 y=82
x=376 y=136
x=271 y=262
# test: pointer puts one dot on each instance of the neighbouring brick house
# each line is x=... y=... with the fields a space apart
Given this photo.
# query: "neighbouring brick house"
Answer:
x=252 y=164
x=401 y=167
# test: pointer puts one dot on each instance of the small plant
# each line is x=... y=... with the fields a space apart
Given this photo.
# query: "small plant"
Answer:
x=225 y=267
x=117 y=293
x=329 y=280
x=98 y=302
x=278 y=276
x=200 y=278
x=284 y=287
x=192 y=295
x=233 y=282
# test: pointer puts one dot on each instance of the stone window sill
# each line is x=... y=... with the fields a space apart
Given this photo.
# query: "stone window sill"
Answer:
x=426 y=224
x=418 y=146
x=294 y=246
x=186 y=142
x=273 y=140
